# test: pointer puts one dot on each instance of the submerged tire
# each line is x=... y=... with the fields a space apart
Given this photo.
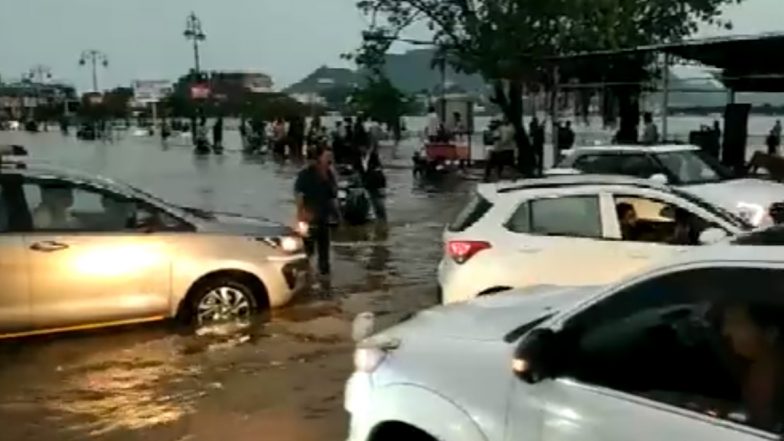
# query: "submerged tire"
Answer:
x=222 y=300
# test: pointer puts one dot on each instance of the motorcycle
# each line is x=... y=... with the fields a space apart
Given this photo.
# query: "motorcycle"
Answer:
x=353 y=199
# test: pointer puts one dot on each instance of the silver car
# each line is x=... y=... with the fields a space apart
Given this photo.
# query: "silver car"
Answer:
x=81 y=252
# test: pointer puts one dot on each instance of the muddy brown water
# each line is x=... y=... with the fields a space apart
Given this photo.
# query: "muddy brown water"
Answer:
x=281 y=378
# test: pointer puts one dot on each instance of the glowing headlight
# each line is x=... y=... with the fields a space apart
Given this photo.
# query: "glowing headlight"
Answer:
x=753 y=213
x=288 y=244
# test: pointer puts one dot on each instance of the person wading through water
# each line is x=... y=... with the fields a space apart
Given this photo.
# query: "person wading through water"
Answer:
x=316 y=195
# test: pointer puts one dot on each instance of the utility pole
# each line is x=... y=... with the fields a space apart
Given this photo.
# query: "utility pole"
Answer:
x=194 y=32
x=94 y=57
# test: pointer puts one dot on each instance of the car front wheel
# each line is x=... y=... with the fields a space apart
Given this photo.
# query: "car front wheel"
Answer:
x=222 y=300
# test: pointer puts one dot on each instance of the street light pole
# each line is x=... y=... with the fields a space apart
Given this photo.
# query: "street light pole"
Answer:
x=94 y=57
x=194 y=32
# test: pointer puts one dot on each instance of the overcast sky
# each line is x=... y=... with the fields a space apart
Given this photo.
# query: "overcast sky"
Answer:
x=143 y=38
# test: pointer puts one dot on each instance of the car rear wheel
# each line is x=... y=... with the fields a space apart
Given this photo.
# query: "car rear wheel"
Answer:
x=222 y=300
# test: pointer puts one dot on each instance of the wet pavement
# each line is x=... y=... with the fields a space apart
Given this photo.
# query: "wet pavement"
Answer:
x=281 y=379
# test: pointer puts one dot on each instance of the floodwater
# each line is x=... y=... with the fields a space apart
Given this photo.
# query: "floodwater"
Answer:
x=280 y=379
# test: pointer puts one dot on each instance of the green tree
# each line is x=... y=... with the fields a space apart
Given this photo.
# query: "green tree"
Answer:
x=514 y=42
x=380 y=100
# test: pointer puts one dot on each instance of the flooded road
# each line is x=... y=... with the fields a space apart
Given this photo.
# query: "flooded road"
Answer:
x=280 y=379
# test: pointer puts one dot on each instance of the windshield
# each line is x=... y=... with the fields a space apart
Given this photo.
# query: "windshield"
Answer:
x=693 y=167
x=715 y=210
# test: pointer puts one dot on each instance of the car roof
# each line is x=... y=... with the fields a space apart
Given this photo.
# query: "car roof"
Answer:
x=631 y=148
x=492 y=191
x=45 y=170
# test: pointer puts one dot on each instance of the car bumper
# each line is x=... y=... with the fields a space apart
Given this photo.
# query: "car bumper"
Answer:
x=456 y=282
x=357 y=402
x=289 y=278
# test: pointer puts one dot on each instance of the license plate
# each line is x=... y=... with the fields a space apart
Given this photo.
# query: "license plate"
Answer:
x=342 y=194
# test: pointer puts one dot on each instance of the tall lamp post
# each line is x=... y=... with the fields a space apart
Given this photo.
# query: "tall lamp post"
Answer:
x=95 y=58
x=194 y=33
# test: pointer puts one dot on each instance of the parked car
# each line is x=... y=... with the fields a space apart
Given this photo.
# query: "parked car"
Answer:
x=673 y=353
x=80 y=251
x=571 y=230
x=687 y=167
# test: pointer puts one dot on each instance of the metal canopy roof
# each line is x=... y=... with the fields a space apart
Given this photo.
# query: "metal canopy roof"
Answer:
x=750 y=63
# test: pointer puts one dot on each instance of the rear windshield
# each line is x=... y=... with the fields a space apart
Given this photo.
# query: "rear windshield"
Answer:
x=473 y=211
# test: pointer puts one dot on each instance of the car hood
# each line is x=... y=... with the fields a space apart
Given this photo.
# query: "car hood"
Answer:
x=235 y=224
x=728 y=194
x=491 y=317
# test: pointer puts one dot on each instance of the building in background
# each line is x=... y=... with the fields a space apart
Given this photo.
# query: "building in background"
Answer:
x=28 y=100
x=253 y=82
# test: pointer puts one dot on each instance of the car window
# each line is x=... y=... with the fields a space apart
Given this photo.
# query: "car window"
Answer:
x=578 y=216
x=690 y=339
x=520 y=222
x=474 y=210
x=649 y=220
x=64 y=206
x=639 y=165
x=693 y=167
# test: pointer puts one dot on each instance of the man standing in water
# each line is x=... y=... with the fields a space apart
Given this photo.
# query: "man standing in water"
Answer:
x=316 y=195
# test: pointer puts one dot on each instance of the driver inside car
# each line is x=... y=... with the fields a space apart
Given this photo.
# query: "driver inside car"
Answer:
x=627 y=217
x=755 y=335
x=118 y=215
x=53 y=213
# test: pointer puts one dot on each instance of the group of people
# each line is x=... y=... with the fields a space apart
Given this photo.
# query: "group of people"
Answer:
x=316 y=186
x=501 y=144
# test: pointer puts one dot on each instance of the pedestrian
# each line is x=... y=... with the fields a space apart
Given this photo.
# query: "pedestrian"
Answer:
x=502 y=153
x=338 y=141
x=650 y=134
x=373 y=179
x=536 y=131
x=217 y=135
x=433 y=125
x=296 y=137
x=774 y=139
x=279 y=138
x=316 y=195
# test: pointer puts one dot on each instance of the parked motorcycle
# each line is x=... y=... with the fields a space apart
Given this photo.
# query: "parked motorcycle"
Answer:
x=353 y=199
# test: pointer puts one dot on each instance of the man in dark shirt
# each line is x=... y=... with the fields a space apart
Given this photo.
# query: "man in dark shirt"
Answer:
x=316 y=193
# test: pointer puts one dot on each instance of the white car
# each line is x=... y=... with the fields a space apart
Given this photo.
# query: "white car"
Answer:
x=684 y=166
x=671 y=354
x=569 y=231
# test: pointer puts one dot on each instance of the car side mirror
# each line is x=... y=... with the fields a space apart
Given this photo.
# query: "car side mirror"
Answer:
x=535 y=358
x=712 y=236
x=660 y=178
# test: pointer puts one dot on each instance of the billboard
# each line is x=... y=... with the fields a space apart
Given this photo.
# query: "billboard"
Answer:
x=151 y=91
x=200 y=91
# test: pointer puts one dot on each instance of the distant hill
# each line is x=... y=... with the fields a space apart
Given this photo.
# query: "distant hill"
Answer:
x=410 y=72
x=325 y=78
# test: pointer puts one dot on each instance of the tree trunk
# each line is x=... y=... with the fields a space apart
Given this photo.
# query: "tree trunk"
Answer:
x=629 y=112
x=510 y=100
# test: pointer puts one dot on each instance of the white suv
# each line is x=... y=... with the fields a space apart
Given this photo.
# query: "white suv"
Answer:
x=689 y=351
x=687 y=167
x=571 y=230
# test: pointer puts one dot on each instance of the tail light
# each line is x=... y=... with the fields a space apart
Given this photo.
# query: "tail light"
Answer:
x=462 y=250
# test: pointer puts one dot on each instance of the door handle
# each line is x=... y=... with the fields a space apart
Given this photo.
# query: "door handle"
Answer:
x=638 y=256
x=528 y=250
x=48 y=246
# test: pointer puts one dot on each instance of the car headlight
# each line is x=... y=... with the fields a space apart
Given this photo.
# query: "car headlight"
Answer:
x=288 y=244
x=752 y=213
